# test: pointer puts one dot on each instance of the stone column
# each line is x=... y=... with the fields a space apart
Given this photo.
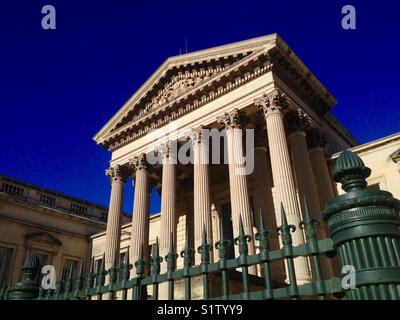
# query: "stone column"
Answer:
x=168 y=201
x=201 y=189
x=141 y=204
x=316 y=142
x=262 y=197
x=298 y=123
x=117 y=175
x=272 y=105
x=233 y=124
x=263 y=181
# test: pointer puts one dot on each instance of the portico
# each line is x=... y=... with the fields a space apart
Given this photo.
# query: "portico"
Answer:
x=256 y=88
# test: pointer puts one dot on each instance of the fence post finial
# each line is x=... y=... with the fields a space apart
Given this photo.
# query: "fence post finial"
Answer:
x=368 y=219
x=28 y=288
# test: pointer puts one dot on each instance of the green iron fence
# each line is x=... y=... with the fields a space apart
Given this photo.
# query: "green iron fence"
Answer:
x=364 y=231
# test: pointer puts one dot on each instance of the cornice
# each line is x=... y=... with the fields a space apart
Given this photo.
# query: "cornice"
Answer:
x=57 y=212
x=340 y=130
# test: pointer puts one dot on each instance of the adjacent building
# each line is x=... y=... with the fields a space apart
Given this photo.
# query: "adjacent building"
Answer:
x=51 y=225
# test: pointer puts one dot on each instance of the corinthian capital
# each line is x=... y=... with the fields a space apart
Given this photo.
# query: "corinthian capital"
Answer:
x=139 y=163
x=275 y=101
x=298 y=120
x=117 y=173
x=168 y=149
x=316 y=138
x=232 y=120
x=197 y=135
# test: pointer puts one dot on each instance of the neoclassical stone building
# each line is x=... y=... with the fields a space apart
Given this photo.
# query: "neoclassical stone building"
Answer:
x=257 y=87
x=51 y=225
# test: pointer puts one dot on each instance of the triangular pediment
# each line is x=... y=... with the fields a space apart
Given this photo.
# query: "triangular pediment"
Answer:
x=186 y=82
x=44 y=238
x=181 y=74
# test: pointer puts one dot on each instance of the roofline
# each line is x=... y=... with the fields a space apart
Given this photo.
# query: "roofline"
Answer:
x=369 y=145
x=171 y=60
x=56 y=193
x=267 y=42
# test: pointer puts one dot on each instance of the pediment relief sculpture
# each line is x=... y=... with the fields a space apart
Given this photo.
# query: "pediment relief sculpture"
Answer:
x=178 y=85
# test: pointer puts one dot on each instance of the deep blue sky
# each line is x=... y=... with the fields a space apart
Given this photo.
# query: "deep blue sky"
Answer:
x=59 y=87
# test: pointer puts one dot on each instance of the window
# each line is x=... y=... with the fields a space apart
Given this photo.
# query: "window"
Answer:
x=5 y=265
x=43 y=260
x=97 y=267
x=67 y=265
x=122 y=256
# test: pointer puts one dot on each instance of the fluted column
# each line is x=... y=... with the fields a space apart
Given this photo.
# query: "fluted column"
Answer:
x=262 y=197
x=117 y=175
x=141 y=203
x=272 y=105
x=263 y=183
x=233 y=124
x=201 y=189
x=298 y=123
x=316 y=142
x=168 y=200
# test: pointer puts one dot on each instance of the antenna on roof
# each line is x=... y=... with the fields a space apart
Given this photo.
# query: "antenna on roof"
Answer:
x=186 y=47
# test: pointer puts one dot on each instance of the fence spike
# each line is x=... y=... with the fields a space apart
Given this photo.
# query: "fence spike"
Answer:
x=171 y=256
x=241 y=227
x=171 y=243
x=69 y=283
x=283 y=216
x=102 y=272
x=157 y=247
x=204 y=235
x=126 y=267
x=221 y=231
x=90 y=277
x=186 y=253
x=91 y=268
x=187 y=239
x=307 y=215
x=155 y=259
x=139 y=264
x=262 y=223
x=126 y=258
x=242 y=239
x=222 y=245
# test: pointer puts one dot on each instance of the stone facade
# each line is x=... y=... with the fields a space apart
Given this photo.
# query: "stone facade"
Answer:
x=54 y=226
x=257 y=85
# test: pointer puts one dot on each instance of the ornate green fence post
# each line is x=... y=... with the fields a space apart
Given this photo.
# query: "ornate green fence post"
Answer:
x=364 y=227
x=28 y=288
